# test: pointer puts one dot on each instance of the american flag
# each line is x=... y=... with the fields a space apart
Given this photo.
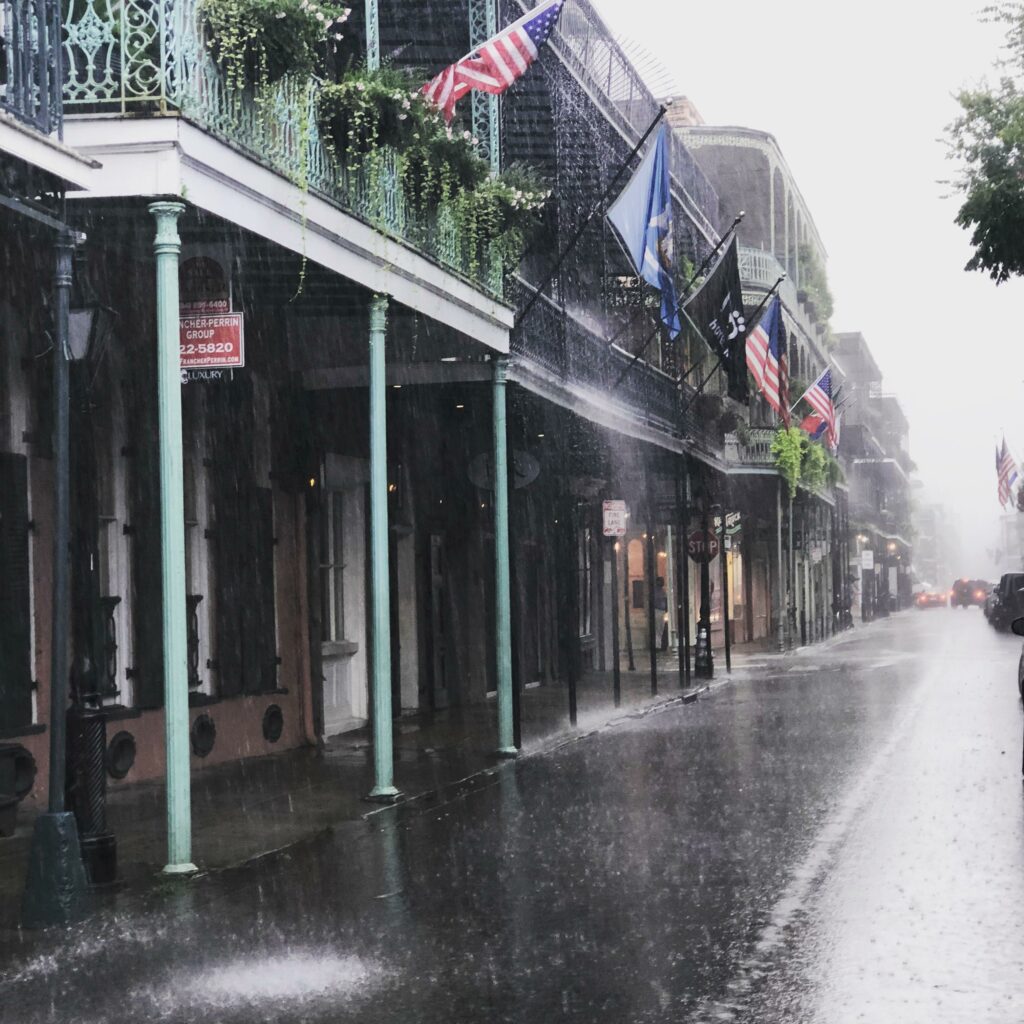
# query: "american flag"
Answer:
x=819 y=398
x=498 y=62
x=1006 y=471
x=766 y=360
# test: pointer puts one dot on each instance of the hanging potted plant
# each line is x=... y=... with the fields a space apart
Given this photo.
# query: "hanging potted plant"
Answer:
x=258 y=42
x=441 y=164
x=499 y=215
x=366 y=110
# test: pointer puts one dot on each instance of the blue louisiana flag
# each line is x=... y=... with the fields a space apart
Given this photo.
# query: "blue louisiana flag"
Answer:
x=642 y=216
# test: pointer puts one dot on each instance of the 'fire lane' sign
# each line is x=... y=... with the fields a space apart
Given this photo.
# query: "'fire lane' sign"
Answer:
x=211 y=342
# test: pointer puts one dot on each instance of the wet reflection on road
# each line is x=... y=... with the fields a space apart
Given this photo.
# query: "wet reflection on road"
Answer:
x=832 y=837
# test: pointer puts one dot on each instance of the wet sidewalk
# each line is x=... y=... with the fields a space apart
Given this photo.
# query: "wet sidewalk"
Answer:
x=248 y=808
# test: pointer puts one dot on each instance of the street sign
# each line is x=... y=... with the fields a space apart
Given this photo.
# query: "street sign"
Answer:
x=211 y=342
x=613 y=517
x=867 y=559
x=702 y=546
x=733 y=524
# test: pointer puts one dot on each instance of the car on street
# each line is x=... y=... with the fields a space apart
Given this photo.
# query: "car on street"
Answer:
x=931 y=599
x=1008 y=601
x=965 y=593
x=1018 y=627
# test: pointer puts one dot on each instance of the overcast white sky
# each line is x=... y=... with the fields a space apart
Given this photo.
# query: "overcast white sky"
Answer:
x=857 y=96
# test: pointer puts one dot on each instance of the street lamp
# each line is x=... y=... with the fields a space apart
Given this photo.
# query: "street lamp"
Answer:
x=56 y=878
x=87 y=717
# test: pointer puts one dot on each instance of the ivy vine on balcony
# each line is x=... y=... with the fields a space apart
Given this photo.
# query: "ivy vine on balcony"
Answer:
x=367 y=111
x=800 y=461
x=258 y=42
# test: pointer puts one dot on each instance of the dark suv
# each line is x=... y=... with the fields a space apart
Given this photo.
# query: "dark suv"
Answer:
x=965 y=592
x=1007 y=600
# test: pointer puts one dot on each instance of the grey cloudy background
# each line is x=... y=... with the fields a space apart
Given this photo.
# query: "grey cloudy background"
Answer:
x=858 y=97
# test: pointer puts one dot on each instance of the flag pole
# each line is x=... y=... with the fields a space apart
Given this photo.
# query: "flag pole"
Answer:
x=578 y=233
x=679 y=305
x=828 y=366
x=718 y=362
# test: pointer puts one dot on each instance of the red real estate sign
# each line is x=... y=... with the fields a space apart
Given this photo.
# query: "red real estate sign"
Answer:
x=212 y=342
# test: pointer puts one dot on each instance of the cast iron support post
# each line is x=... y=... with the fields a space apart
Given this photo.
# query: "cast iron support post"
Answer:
x=167 y=247
x=704 y=659
x=384 y=789
x=616 y=669
x=780 y=612
x=502 y=593
x=372 y=36
x=681 y=582
x=568 y=584
x=684 y=649
x=724 y=556
x=483 y=25
x=56 y=876
x=650 y=554
x=791 y=583
x=630 y=663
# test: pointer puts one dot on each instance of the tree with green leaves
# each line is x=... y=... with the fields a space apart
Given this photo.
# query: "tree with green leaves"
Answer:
x=987 y=141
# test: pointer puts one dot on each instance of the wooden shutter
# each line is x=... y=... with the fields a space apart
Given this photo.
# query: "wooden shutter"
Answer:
x=15 y=597
x=147 y=672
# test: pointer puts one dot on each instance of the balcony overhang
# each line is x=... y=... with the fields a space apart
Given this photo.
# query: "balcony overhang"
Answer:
x=48 y=155
x=168 y=156
x=594 y=405
x=891 y=465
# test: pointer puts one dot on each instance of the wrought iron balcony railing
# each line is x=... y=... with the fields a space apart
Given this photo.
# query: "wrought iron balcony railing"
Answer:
x=754 y=450
x=565 y=347
x=151 y=56
x=583 y=42
x=761 y=269
x=29 y=62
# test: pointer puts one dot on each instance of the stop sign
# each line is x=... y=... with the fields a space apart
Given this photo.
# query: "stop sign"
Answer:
x=702 y=545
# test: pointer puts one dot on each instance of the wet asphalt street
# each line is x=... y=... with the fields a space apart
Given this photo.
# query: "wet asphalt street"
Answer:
x=832 y=837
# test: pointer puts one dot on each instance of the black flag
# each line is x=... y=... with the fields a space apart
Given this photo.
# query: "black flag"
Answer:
x=716 y=308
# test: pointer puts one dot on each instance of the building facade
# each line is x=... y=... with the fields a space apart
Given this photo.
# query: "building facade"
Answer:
x=387 y=497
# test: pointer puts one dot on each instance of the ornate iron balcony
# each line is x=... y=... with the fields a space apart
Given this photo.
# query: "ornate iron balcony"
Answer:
x=756 y=450
x=151 y=57
x=29 y=62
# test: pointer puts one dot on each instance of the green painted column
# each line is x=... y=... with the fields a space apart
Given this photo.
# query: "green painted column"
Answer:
x=372 y=35
x=167 y=246
x=502 y=593
x=383 y=762
x=483 y=25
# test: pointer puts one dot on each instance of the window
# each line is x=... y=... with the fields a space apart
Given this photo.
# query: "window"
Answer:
x=332 y=568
